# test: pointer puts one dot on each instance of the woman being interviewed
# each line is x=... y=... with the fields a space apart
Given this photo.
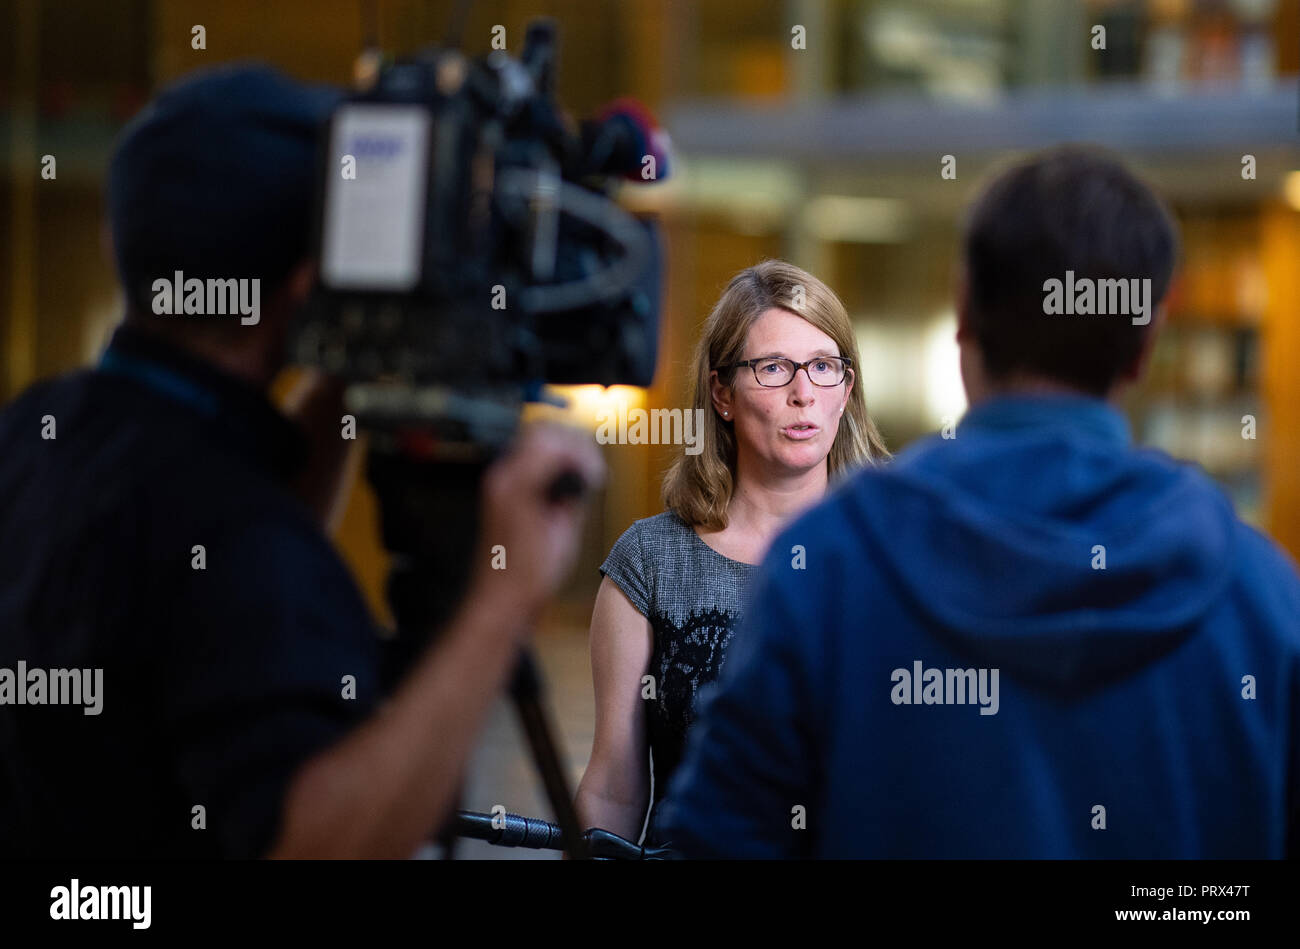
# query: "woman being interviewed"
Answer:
x=774 y=376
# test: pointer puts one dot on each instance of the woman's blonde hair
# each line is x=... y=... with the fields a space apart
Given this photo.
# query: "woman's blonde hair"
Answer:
x=698 y=487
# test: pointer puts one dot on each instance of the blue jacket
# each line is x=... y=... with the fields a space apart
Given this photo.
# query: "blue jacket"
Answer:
x=1029 y=640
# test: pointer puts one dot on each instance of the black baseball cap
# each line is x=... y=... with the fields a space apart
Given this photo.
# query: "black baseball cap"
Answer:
x=216 y=178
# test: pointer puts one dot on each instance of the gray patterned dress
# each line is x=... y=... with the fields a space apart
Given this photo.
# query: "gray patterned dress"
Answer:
x=692 y=596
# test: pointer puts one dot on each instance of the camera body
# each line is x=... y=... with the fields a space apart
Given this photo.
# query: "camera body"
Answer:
x=468 y=247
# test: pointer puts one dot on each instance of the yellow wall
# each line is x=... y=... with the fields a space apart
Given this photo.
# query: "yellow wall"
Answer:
x=1280 y=250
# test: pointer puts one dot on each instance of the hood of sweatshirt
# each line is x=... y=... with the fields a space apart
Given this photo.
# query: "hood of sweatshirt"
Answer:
x=1041 y=541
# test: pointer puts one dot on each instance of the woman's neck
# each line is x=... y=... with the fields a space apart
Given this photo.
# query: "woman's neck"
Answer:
x=764 y=504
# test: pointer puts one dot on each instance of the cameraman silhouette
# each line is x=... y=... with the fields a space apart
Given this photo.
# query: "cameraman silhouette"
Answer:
x=165 y=525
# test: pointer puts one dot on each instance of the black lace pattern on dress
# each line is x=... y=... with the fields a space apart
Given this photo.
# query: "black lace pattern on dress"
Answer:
x=685 y=658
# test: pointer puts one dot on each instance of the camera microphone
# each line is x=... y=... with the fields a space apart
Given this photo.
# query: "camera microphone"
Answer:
x=625 y=140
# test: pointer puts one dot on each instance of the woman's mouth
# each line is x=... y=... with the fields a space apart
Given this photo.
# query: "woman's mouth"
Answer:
x=800 y=431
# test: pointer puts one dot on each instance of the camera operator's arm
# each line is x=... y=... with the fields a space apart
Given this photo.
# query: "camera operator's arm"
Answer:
x=386 y=786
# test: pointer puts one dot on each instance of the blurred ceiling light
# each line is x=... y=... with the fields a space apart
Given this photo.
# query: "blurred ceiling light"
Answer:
x=854 y=220
x=910 y=372
x=945 y=396
x=888 y=371
x=1291 y=188
x=589 y=406
x=900 y=37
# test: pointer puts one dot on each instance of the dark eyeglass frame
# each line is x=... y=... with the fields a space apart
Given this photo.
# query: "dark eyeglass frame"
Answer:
x=752 y=364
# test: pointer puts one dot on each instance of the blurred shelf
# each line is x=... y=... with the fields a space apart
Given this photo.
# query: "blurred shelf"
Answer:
x=1124 y=116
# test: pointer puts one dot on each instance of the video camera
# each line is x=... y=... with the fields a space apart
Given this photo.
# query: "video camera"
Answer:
x=468 y=248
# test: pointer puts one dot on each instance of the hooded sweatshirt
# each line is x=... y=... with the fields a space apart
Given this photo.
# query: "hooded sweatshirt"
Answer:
x=1028 y=640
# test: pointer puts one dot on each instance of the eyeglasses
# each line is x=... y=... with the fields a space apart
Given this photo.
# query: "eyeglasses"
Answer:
x=774 y=372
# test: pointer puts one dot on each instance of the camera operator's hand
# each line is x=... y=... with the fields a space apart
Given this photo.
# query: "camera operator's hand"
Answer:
x=538 y=536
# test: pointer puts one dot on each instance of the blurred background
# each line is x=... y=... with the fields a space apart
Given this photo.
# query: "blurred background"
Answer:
x=813 y=130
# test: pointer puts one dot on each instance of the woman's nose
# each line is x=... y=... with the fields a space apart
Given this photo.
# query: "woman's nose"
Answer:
x=802 y=391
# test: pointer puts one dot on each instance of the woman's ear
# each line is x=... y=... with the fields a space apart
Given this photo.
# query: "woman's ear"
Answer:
x=721 y=395
x=848 y=390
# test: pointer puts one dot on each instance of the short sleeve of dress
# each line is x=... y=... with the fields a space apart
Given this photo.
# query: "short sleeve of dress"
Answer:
x=626 y=566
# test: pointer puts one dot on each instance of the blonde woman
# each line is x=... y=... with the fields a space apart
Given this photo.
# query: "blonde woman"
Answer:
x=774 y=373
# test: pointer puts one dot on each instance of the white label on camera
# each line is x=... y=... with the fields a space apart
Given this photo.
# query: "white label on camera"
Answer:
x=374 y=217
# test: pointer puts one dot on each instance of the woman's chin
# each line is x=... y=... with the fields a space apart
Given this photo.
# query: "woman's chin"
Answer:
x=799 y=458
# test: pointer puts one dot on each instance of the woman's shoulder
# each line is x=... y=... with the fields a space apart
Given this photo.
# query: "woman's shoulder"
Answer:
x=667 y=536
x=652 y=542
x=666 y=524
x=644 y=553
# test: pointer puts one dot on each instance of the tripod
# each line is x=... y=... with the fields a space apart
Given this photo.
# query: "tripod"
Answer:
x=429 y=502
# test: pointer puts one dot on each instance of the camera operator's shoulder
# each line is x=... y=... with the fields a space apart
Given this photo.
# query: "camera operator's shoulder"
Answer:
x=83 y=434
x=54 y=396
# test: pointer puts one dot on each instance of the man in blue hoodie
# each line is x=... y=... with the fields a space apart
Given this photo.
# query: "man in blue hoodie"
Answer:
x=1032 y=639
